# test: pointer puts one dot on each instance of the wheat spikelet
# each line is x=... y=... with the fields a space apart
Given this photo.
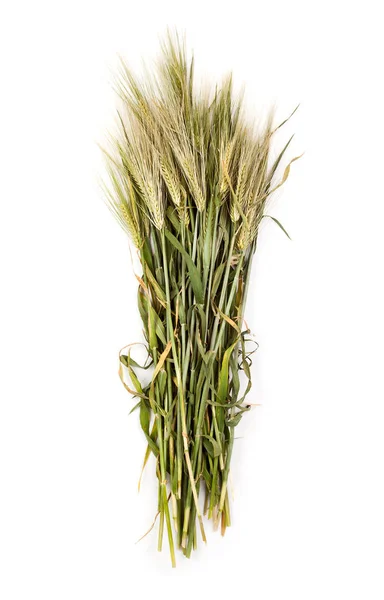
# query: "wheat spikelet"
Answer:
x=171 y=181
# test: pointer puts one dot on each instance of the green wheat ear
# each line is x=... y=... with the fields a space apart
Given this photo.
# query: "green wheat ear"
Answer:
x=189 y=182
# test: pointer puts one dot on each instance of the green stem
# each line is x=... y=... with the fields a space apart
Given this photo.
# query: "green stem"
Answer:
x=181 y=403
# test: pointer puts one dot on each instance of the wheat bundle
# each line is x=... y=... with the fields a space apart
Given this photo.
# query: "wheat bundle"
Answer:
x=189 y=182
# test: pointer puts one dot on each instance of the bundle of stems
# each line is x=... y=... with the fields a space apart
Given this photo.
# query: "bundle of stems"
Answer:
x=189 y=182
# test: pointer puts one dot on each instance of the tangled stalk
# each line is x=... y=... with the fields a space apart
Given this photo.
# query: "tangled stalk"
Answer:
x=190 y=179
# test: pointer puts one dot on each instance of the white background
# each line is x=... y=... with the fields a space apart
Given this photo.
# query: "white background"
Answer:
x=308 y=470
